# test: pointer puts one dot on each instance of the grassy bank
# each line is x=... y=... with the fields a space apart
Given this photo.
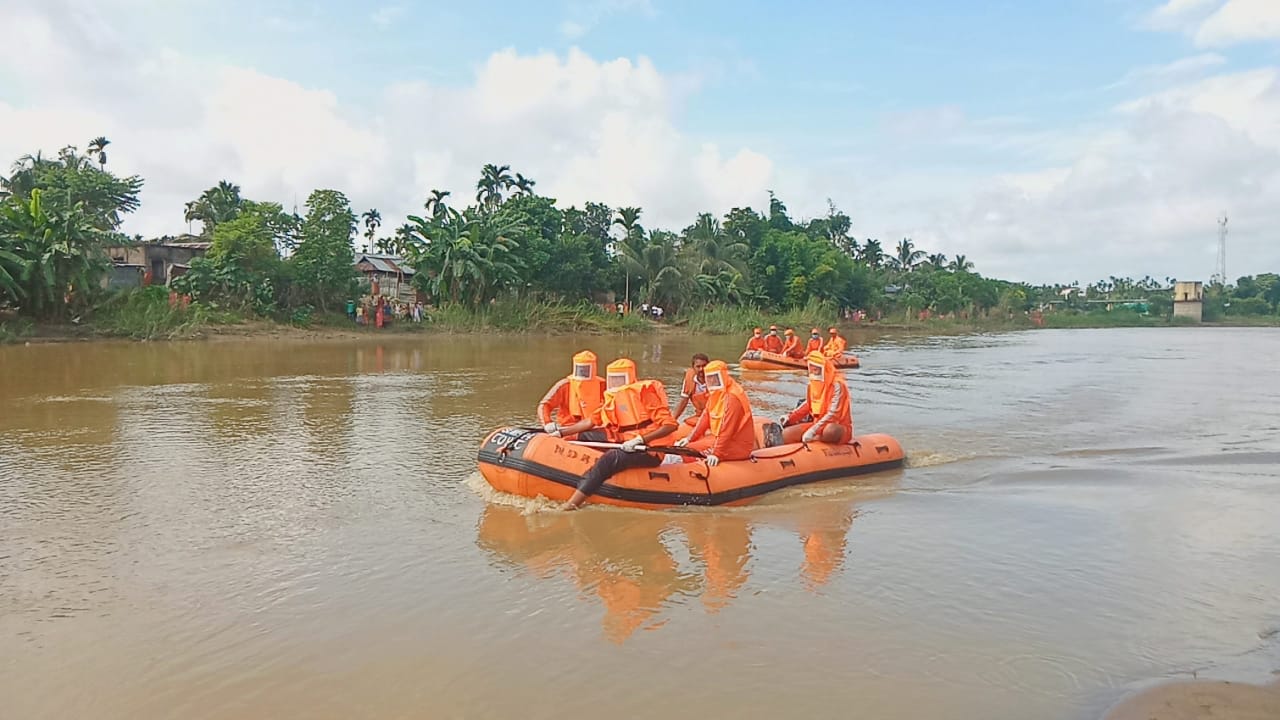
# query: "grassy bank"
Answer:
x=741 y=320
x=146 y=315
x=516 y=316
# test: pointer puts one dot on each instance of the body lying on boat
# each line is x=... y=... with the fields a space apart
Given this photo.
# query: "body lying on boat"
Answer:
x=765 y=360
x=530 y=464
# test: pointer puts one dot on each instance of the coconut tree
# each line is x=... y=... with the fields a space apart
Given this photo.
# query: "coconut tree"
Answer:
x=961 y=264
x=937 y=261
x=907 y=257
x=628 y=249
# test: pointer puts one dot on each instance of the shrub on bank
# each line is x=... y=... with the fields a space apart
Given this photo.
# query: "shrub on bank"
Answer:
x=730 y=320
x=518 y=316
x=146 y=314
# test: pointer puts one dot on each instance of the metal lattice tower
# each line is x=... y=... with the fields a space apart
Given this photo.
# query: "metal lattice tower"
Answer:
x=1220 y=269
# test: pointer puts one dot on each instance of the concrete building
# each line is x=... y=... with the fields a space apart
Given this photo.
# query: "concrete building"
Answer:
x=1188 y=300
x=160 y=260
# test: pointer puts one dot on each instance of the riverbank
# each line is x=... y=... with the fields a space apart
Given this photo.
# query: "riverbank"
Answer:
x=149 y=320
x=1201 y=699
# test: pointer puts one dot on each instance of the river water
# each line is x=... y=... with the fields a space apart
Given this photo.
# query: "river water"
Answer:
x=292 y=529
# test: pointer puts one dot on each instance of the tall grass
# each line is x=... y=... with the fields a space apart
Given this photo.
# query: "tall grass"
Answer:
x=725 y=320
x=532 y=316
x=145 y=314
x=14 y=330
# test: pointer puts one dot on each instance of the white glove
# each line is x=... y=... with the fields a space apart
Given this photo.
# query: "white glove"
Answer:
x=712 y=461
x=810 y=435
x=681 y=442
x=633 y=444
x=552 y=429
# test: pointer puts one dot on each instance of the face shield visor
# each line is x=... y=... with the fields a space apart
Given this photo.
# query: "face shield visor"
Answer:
x=715 y=381
x=817 y=372
x=583 y=371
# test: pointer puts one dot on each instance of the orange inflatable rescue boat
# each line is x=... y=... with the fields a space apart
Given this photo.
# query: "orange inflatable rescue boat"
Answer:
x=530 y=464
x=765 y=360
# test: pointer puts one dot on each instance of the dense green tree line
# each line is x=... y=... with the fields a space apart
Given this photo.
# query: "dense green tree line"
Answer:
x=57 y=215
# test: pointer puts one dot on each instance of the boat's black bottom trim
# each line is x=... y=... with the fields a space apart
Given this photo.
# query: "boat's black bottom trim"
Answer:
x=659 y=497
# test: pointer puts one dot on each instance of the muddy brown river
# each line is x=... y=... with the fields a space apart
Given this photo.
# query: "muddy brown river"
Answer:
x=286 y=529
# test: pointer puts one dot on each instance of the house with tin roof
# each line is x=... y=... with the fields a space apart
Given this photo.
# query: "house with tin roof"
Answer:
x=388 y=275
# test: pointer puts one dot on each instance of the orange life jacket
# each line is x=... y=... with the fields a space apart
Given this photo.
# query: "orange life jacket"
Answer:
x=822 y=391
x=792 y=348
x=717 y=407
x=773 y=343
x=585 y=396
x=815 y=345
x=834 y=347
x=697 y=396
x=624 y=412
x=755 y=343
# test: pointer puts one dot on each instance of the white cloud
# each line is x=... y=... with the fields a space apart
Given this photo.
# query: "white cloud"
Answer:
x=584 y=129
x=1175 y=14
x=1176 y=71
x=1215 y=23
x=1241 y=21
x=1142 y=196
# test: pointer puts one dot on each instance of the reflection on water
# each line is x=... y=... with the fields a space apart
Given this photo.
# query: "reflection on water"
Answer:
x=637 y=564
x=297 y=530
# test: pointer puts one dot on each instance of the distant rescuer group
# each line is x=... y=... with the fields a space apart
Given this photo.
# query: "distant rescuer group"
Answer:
x=833 y=348
x=632 y=413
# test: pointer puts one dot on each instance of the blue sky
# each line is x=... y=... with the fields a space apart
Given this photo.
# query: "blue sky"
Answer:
x=1016 y=133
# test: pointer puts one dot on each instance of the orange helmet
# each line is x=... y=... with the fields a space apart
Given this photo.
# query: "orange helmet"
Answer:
x=584 y=365
x=620 y=372
x=789 y=331
x=832 y=331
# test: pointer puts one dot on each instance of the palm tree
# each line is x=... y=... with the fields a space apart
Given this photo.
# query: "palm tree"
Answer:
x=218 y=204
x=872 y=254
x=435 y=202
x=523 y=185
x=938 y=261
x=372 y=219
x=98 y=146
x=629 y=248
x=493 y=180
x=908 y=256
x=961 y=264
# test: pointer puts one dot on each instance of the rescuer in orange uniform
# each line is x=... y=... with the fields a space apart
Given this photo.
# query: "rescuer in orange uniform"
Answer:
x=825 y=414
x=574 y=397
x=633 y=413
x=773 y=343
x=835 y=346
x=756 y=342
x=694 y=389
x=815 y=342
x=791 y=348
x=725 y=430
